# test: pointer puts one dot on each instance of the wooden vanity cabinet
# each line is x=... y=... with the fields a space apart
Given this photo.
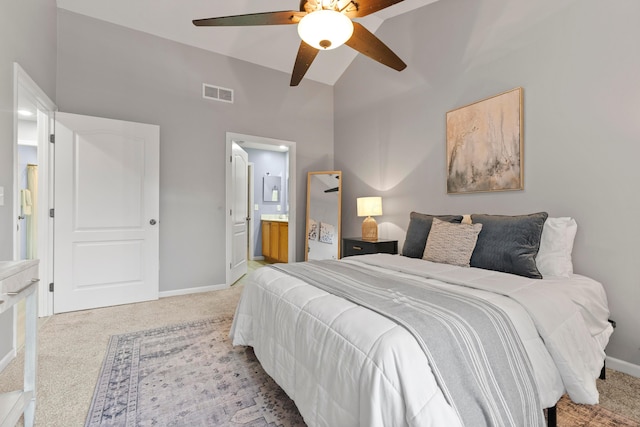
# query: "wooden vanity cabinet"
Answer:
x=275 y=241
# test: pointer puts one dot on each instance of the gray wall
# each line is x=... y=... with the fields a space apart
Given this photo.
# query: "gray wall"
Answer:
x=578 y=62
x=110 y=71
x=28 y=37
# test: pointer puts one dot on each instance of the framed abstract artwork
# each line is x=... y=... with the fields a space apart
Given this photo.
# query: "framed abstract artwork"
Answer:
x=485 y=145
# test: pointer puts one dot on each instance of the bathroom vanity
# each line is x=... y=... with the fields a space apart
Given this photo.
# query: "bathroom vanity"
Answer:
x=275 y=239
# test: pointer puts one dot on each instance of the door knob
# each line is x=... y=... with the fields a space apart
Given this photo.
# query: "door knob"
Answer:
x=152 y=222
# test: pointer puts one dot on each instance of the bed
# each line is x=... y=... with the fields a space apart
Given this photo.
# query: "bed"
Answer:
x=337 y=335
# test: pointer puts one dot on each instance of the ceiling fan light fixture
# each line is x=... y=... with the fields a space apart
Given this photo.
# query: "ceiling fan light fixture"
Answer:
x=325 y=29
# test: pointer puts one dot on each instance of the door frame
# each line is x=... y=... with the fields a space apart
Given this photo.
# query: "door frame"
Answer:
x=251 y=212
x=45 y=110
x=291 y=145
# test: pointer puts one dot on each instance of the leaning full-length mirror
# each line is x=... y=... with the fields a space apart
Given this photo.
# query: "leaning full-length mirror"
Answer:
x=324 y=205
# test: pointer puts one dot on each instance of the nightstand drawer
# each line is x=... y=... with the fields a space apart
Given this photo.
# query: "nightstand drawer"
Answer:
x=357 y=246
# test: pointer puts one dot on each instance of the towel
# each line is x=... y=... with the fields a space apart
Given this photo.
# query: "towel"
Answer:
x=25 y=201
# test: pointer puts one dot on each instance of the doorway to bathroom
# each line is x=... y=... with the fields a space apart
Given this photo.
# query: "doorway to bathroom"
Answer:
x=271 y=194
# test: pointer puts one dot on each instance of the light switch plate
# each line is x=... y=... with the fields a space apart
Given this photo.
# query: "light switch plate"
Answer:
x=278 y=208
x=256 y=207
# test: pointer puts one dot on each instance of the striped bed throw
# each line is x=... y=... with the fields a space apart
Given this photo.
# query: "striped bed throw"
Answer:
x=472 y=346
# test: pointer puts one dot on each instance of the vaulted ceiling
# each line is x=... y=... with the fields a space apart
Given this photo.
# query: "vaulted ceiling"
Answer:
x=272 y=46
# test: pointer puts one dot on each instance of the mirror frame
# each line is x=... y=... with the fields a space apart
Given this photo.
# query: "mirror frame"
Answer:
x=310 y=175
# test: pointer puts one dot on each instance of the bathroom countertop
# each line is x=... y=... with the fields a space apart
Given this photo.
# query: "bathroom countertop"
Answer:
x=274 y=217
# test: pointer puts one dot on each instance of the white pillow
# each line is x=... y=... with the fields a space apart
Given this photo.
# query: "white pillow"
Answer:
x=556 y=245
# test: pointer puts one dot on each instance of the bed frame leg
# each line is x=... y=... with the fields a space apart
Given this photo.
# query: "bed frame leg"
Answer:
x=552 y=419
x=603 y=372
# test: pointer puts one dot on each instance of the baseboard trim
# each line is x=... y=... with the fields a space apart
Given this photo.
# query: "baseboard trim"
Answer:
x=4 y=362
x=622 y=366
x=164 y=294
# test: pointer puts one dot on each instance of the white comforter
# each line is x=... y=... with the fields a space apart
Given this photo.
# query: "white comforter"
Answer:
x=345 y=365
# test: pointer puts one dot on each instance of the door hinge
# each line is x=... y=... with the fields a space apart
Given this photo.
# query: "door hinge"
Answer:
x=52 y=138
x=230 y=212
x=230 y=266
x=230 y=159
x=51 y=213
x=51 y=287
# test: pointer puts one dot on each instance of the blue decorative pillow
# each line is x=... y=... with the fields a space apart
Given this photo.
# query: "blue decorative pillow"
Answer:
x=418 y=231
x=509 y=243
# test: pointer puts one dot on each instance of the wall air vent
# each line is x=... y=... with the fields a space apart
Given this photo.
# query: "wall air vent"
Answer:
x=217 y=93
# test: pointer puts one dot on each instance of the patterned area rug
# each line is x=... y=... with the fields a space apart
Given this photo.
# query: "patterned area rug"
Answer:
x=190 y=375
x=573 y=415
x=186 y=375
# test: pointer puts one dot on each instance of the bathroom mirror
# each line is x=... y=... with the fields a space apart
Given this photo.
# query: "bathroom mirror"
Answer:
x=271 y=189
x=324 y=206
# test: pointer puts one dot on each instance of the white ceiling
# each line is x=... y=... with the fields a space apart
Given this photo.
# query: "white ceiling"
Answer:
x=272 y=46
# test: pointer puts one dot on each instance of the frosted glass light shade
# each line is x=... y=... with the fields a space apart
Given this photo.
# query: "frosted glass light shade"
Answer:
x=325 y=29
x=369 y=206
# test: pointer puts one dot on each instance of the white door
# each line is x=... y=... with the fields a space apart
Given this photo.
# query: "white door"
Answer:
x=239 y=212
x=106 y=212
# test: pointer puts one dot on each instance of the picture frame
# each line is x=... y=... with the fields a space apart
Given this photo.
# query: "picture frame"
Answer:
x=485 y=145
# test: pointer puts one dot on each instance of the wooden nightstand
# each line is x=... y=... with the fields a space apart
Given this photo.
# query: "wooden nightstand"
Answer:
x=356 y=246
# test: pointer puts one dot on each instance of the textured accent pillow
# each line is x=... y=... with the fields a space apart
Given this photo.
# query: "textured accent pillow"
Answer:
x=450 y=243
x=509 y=243
x=556 y=245
x=418 y=231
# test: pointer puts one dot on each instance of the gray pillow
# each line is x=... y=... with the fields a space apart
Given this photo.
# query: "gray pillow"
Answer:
x=418 y=231
x=509 y=243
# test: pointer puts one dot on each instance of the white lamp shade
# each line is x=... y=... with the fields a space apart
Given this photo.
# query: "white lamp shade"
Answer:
x=325 y=29
x=369 y=206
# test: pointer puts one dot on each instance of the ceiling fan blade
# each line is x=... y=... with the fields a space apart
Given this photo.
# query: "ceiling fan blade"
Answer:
x=368 y=44
x=265 y=18
x=366 y=7
x=306 y=55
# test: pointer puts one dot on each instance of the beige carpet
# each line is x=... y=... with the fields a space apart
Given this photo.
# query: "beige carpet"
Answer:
x=72 y=348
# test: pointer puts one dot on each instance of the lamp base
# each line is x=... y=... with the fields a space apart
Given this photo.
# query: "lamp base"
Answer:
x=369 y=229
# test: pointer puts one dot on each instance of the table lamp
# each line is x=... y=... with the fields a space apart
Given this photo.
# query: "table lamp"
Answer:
x=369 y=206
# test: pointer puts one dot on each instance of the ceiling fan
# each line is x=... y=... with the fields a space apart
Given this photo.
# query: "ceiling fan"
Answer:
x=322 y=25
